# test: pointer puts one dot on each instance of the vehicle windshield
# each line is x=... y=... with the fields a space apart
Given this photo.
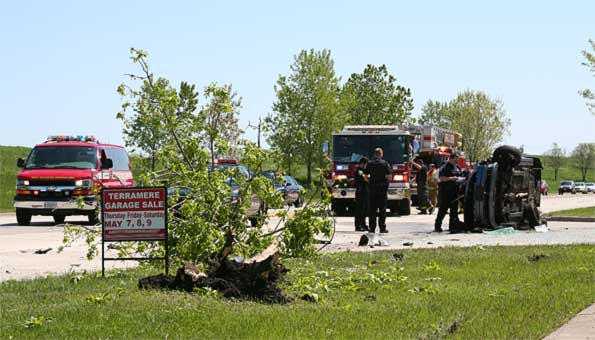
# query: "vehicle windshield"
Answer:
x=566 y=183
x=62 y=157
x=351 y=148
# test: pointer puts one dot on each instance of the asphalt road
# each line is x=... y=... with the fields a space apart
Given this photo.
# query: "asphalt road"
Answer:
x=19 y=261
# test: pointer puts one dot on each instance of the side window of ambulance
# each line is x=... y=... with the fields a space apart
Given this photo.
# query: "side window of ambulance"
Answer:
x=120 y=159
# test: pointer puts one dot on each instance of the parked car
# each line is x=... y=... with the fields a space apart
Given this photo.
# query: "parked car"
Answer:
x=590 y=187
x=257 y=208
x=581 y=187
x=566 y=186
x=544 y=187
x=293 y=192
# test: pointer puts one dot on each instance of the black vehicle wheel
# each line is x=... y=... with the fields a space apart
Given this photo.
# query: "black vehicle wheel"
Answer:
x=259 y=219
x=59 y=219
x=507 y=155
x=560 y=192
x=23 y=217
x=339 y=208
x=532 y=215
x=93 y=217
x=299 y=203
x=405 y=207
x=574 y=192
x=468 y=212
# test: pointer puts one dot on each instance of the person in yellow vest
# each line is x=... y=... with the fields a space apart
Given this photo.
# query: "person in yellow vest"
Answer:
x=433 y=185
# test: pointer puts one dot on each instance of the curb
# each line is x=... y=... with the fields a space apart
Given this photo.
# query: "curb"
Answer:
x=570 y=219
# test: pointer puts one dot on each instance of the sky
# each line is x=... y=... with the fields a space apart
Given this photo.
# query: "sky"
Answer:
x=61 y=61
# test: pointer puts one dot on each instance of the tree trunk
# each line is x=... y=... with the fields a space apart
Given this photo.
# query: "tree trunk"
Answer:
x=309 y=170
x=555 y=174
x=153 y=161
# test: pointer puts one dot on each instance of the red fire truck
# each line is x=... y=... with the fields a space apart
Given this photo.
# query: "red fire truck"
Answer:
x=353 y=143
x=434 y=145
x=64 y=168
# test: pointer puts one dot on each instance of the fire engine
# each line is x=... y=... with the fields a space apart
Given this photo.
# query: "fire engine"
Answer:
x=63 y=169
x=434 y=145
x=354 y=142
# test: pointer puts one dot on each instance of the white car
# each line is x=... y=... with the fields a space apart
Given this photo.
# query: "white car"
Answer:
x=590 y=187
x=581 y=187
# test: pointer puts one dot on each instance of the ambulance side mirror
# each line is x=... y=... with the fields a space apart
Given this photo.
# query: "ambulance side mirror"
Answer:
x=20 y=163
x=107 y=163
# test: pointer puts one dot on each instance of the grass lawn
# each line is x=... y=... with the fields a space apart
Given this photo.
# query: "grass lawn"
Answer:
x=491 y=292
x=8 y=174
x=579 y=212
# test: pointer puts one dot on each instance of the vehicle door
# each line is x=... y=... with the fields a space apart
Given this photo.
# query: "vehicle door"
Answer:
x=292 y=189
x=121 y=170
x=105 y=175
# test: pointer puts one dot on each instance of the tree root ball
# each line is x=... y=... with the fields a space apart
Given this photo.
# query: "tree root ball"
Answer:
x=256 y=281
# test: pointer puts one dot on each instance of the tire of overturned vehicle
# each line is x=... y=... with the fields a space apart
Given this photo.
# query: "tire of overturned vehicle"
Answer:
x=507 y=155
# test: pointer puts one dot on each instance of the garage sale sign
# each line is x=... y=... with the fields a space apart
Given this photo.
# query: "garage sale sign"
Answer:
x=134 y=214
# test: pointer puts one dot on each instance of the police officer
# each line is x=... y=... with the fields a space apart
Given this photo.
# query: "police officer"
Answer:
x=448 y=192
x=361 y=195
x=379 y=173
x=421 y=178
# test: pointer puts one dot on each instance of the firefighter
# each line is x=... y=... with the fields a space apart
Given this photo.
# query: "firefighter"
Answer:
x=361 y=195
x=448 y=191
x=421 y=178
x=379 y=174
x=433 y=185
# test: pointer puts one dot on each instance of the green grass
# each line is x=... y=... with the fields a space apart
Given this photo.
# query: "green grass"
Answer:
x=579 y=212
x=8 y=174
x=491 y=292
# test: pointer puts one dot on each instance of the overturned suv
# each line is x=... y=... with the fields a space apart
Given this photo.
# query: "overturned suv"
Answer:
x=504 y=191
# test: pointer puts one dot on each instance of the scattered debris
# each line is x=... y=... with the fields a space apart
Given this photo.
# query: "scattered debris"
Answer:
x=536 y=257
x=398 y=256
x=542 y=228
x=310 y=297
x=501 y=231
x=372 y=240
x=371 y=297
x=430 y=242
x=43 y=251
x=408 y=244
x=7 y=272
x=453 y=327
x=23 y=251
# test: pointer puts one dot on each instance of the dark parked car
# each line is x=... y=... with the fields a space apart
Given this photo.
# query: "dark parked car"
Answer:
x=293 y=192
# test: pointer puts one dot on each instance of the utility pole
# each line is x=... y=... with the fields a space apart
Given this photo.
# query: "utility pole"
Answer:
x=258 y=130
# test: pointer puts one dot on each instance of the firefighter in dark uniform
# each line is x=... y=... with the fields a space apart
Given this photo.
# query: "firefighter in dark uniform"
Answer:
x=448 y=192
x=421 y=178
x=361 y=195
x=379 y=174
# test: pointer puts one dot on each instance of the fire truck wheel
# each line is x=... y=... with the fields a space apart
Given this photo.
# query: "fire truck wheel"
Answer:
x=507 y=155
x=59 y=219
x=23 y=217
x=405 y=207
x=94 y=218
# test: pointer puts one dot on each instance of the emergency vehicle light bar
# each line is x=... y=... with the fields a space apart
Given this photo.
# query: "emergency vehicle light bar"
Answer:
x=371 y=128
x=74 y=138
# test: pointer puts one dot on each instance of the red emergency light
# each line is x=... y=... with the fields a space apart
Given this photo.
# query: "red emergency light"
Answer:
x=74 y=138
x=226 y=161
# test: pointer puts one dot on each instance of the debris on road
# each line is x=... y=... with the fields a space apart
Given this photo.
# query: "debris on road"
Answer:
x=542 y=228
x=43 y=251
x=501 y=231
x=372 y=240
x=408 y=244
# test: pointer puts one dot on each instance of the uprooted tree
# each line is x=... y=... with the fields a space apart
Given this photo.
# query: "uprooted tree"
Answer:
x=208 y=223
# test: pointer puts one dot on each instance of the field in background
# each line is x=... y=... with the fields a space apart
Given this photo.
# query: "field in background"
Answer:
x=8 y=173
x=567 y=172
